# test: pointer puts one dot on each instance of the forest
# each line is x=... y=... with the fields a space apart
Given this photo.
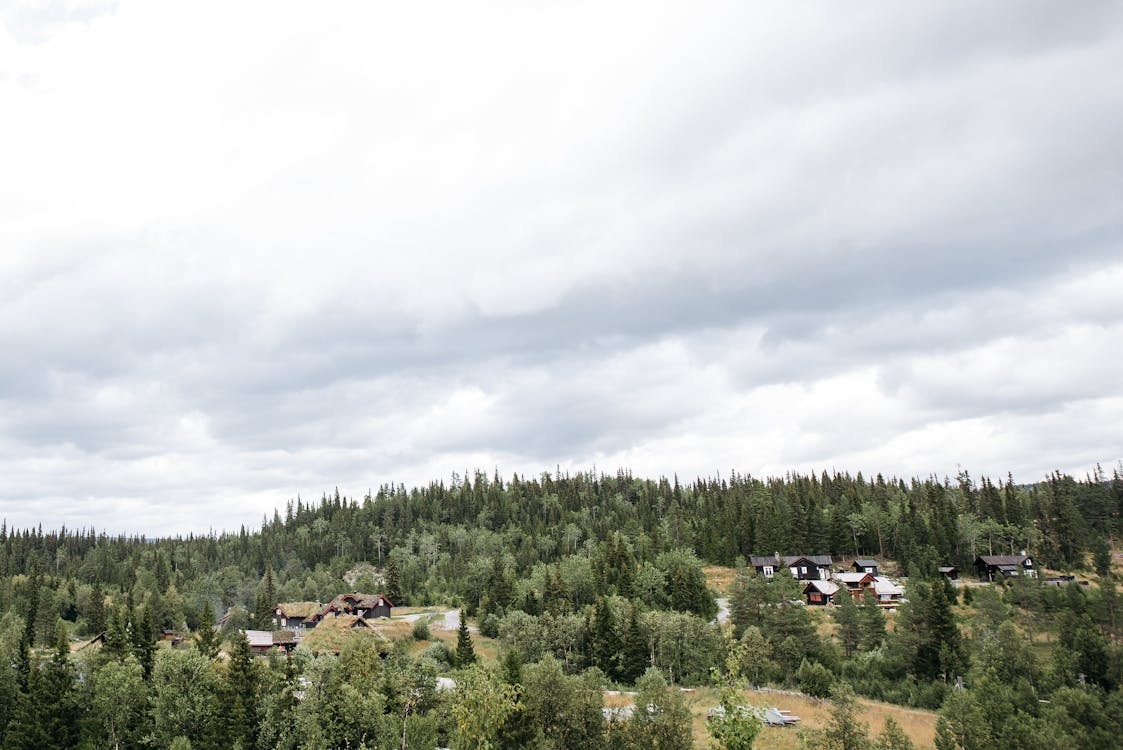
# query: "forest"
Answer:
x=580 y=583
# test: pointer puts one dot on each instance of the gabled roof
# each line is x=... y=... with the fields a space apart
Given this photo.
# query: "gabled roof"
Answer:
x=884 y=587
x=830 y=588
x=298 y=609
x=946 y=569
x=1003 y=559
x=788 y=561
x=849 y=578
x=867 y=563
x=260 y=638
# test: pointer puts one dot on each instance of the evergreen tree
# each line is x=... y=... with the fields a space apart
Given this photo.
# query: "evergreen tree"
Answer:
x=661 y=720
x=465 y=651
x=606 y=641
x=892 y=737
x=265 y=601
x=240 y=714
x=95 y=613
x=843 y=730
x=55 y=697
x=634 y=659
x=394 y=583
x=872 y=621
x=849 y=626
x=144 y=639
x=207 y=641
x=116 y=644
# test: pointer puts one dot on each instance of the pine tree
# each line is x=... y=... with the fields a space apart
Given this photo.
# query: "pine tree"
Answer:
x=465 y=651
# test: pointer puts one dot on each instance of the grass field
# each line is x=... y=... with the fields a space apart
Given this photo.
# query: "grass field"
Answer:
x=919 y=725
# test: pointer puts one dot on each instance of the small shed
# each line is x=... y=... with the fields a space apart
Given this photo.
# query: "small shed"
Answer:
x=950 y=572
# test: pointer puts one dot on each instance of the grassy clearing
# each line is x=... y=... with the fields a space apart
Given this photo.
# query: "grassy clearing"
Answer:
x=719 y=578
x=919 y=725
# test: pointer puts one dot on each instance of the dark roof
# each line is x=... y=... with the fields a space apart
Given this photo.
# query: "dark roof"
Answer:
x=868 y=563
x=788 y=560
x=1003 y=559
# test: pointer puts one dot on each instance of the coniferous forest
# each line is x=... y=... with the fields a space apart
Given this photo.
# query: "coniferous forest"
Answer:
x=574 y=584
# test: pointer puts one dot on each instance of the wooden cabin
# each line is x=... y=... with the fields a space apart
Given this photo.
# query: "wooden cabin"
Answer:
x=992 y=567
x=820 y=593
x=802 y=567
x=865 y=566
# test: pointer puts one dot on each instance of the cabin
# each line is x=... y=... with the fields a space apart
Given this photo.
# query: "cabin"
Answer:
x=820 y=593
x=888 y=593
x=294 y=614
x=264 y=641
x=992 y=567
x=949 y=572
x=857 y=584
x=802 y=567
x=360 y=605
x=865 y=566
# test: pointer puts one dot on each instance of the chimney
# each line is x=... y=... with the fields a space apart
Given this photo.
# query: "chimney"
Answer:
x=777 y=558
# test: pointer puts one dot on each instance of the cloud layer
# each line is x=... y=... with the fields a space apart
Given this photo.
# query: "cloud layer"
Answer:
x=249 y=253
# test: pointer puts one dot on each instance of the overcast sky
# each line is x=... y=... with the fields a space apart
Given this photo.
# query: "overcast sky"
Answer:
x=255 y=250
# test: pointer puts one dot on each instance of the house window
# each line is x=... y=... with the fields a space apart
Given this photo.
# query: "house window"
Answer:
x=816 y=597
x=803 y=570
x=769 y=571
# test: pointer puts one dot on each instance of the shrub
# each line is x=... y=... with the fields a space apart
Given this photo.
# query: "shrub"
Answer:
x=421 y=630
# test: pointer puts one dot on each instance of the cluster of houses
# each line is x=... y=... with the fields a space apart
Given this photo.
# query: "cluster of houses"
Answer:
x=310 y=614
x=292 y=618
x=862 y=582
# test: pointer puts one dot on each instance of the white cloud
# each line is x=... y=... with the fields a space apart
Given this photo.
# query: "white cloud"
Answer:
x=251 y=251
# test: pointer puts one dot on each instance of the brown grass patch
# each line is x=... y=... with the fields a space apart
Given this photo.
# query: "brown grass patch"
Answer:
x=920 y=726
x=719 y=578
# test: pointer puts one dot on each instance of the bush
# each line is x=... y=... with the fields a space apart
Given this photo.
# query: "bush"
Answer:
x=421 y=630
x=489 y=626
x=440 y=653
x=814 y=679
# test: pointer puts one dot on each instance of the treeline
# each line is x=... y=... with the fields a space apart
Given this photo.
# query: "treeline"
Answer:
x=454 y=541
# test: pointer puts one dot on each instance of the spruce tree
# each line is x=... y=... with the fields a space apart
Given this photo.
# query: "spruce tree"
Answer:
x=116 y=644
x=241 y=717
x=55 y=697
x=873 y=624
x=465 y=651
x=95 y=613
x=606 y=642
x=394 y=583
x=144 y=641
x=207 y=641
x=849 y=628
x=635 y=657
x=265 y=601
